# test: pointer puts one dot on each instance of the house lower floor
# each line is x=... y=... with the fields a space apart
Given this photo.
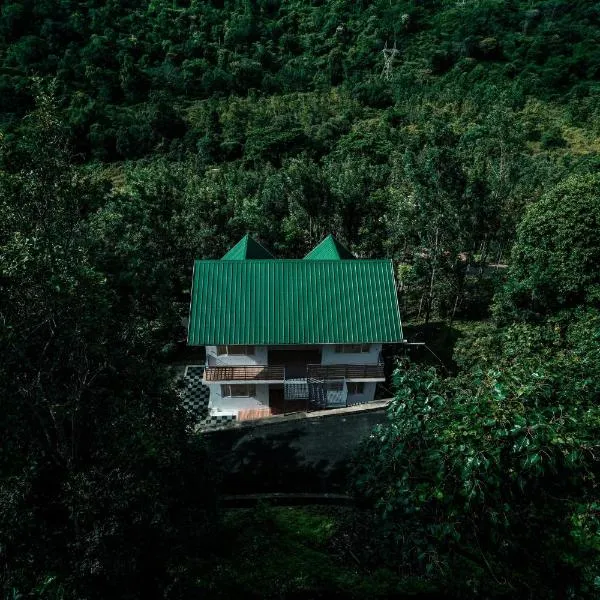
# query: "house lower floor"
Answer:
x=278 y=398
x=328 y=394
x=233 y=398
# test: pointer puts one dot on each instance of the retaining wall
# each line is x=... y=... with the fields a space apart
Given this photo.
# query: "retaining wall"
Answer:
x=309 y=454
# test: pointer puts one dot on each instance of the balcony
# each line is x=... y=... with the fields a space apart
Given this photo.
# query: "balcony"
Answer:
x=295 y=360
x=348 y=372
x=255 y=373
x=279 y=373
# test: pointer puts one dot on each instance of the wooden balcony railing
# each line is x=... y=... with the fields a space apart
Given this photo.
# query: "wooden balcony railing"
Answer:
x=277 y=372
x=245 y=373
x=346 y=371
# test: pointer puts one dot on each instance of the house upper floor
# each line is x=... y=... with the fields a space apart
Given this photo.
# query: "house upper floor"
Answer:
x=360 y=362
x=325 y=354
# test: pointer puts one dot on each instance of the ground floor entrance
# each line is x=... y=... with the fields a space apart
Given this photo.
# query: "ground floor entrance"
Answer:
x=280 y=406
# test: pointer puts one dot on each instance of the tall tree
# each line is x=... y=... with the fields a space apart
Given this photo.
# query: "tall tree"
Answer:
x=554 y=262
x=428 y=217
x=489 y=481
x=102 y=489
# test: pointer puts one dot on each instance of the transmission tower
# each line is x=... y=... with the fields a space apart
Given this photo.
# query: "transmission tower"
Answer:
x=388 y=61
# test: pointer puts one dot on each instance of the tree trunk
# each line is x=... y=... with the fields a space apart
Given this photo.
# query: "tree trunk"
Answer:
x=454 y=309
x=431 y=282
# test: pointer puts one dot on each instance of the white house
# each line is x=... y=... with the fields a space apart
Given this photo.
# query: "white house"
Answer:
x=284 y=335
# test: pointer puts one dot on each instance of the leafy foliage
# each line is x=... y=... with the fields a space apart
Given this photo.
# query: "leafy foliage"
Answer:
x=192 y=123
x=489 y=479
x=102 y=490
x=270 y=552
x=489 y=104
x=554 y=263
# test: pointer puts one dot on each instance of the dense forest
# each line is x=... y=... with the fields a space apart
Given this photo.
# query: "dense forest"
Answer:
x=137 y=136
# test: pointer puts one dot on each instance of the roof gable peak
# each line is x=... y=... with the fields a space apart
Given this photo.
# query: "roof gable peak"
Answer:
x=246 y=249
x=329 y=249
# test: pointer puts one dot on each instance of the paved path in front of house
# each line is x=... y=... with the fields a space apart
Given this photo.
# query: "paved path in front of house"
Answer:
x=297 y=453
x=375 y=405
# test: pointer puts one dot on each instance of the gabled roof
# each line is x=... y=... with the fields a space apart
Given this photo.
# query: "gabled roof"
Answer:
x=271 y=302
x=329 y=249
x=246 y=249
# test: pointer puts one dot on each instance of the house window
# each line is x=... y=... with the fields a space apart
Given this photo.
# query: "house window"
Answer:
x=352 y=348
x=243 y=390
x=235 y=350
x=356 y=388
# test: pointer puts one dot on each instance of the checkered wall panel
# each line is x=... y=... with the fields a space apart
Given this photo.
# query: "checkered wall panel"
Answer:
x=195 y=396
x=216 y=420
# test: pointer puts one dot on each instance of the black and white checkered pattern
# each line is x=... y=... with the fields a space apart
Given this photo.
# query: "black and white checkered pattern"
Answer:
x=216 y=420
x=196 y=395
x=195 y=399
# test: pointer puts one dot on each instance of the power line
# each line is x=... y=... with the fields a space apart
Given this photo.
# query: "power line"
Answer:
x=406 y=343
x=389 y=54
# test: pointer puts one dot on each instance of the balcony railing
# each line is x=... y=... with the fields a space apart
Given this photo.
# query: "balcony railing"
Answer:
x=245 y=373
x=277 y=372
x=346 y=372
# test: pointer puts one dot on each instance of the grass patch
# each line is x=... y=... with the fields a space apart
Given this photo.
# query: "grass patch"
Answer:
x=291 y=552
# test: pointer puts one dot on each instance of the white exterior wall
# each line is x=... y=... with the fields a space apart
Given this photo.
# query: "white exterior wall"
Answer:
x=330 y=357
x=367 y=395
x=228 y=405
x=260 y=357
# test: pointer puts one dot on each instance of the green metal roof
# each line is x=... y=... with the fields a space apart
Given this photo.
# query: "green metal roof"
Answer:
x=247 y=248
x=271 y=302
x=329 y=249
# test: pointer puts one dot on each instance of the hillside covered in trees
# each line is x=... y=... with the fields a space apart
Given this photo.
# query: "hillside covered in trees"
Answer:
x=137 y=136
x=218 y=118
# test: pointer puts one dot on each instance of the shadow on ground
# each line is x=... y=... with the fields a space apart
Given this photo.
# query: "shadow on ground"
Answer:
x=302 y=456
x=439 y=338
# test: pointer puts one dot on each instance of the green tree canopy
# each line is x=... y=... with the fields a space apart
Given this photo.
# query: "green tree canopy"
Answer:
x=489 y=481
x=102 y=490
x=556 y=257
